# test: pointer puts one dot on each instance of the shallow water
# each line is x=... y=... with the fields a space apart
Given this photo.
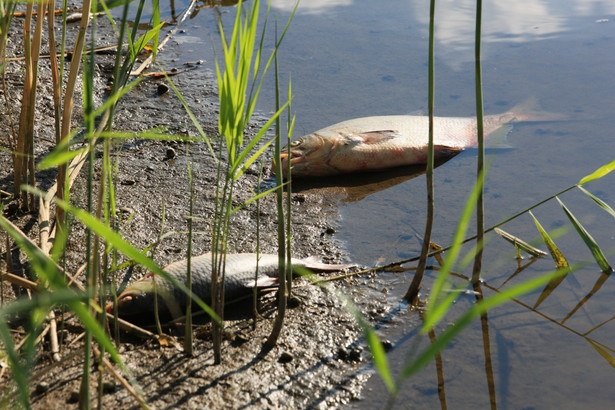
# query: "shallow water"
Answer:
x=351 y=59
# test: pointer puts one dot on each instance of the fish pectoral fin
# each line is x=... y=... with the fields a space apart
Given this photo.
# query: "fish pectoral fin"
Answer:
x=445 y=151
x=263 y=282
x=369 y=137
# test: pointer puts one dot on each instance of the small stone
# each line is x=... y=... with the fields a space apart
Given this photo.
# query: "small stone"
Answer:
x=129 y=182
x=355 y=354
x=285 y=358
x=73 y=397
x=299 y=198
x=387 y=345
x=171 y=153
x=199 y=62
x=162 y=89
x=293 y=302
x=342 y=354
x=330 y=231
x=108 y=387
x=42 y=387
x=239 y=340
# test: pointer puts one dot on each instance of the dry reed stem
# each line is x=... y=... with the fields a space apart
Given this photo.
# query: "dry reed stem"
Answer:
x=69 y=102
x=121 y=379
x=164 y=41
x=18 y=281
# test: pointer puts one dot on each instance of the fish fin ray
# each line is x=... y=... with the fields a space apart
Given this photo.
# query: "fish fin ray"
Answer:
x=498 y=138
x=445 y=151
x=369 y=137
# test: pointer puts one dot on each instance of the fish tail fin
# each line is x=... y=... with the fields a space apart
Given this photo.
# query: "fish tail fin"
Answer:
x=530 y=111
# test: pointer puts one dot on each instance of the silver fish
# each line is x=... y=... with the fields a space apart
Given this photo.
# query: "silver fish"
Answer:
x=372 y=143
x=138 y=298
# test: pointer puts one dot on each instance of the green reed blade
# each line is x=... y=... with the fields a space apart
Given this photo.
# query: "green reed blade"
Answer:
x=599 y=201
x=520 y=244
x=602 y=351
x=558 y=257
x=477 y=309
x=599 y=173
x=589 y=240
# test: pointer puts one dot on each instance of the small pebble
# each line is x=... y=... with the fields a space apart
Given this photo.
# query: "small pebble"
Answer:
x=162 y=89
x=129 y=182
x=42 y=387
x=330 y=231
x=171 y=153
x=355 y=354
x=285 y=358
x=108 y=387
x=293 y=302
x=387 y=345
x=73 y=397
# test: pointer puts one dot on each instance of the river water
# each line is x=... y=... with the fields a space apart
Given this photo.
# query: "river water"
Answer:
x=353 y=58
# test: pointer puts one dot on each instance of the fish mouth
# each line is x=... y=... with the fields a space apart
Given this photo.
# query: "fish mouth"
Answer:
x=295 y=157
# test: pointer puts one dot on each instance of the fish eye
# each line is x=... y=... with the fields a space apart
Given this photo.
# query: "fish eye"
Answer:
x=296 y=143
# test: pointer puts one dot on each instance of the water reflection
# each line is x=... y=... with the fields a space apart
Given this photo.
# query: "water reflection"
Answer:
x=310 y=6
x=519 y=21
x=356 y=187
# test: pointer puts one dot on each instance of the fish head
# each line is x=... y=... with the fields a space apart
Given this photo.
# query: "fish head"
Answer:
x=136 y=299
x=309 y=156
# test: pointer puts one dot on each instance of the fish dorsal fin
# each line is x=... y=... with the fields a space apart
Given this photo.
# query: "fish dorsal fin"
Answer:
x=369 y=137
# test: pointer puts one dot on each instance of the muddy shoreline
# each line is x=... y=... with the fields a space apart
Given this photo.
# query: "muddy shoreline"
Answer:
x=319 y=361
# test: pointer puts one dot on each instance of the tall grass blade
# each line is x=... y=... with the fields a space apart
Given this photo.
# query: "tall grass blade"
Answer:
x=589 y=240
x=477 y=309
x=438 y=305
x=413 y=291
x=599 y=173
x=558 y=257
x=480 y=165
x=602 y=351
x=599 y=201
x=520 y=244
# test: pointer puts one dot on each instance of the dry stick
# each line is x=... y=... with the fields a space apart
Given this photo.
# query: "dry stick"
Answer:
x=121 y=379
x=53 y=336
x=164 y=41
x=66 y=53
x=18 y=281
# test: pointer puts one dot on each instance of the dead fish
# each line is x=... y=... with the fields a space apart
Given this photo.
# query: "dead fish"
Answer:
x=138 y=298
x=372 y=143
